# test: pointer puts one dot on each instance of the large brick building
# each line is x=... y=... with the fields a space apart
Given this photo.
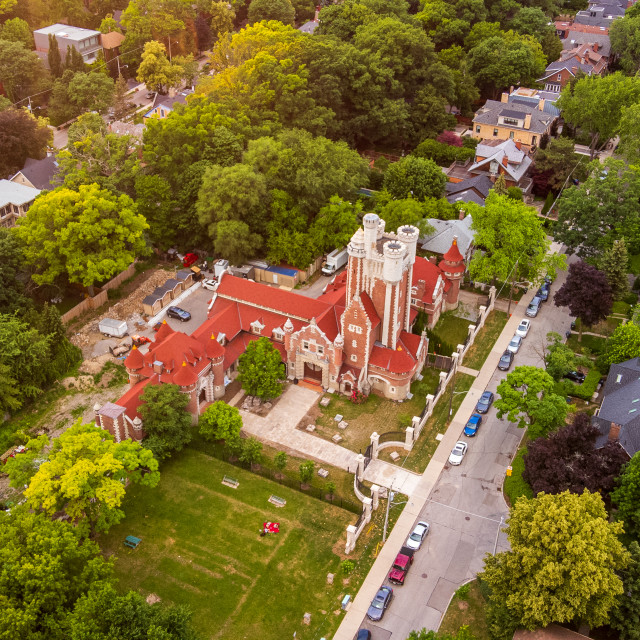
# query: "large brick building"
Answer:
x=356 y=335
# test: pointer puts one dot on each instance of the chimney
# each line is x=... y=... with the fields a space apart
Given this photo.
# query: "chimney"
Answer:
x=574 y=70
x=505 y=161
x=518 y=145
x=504 y=97
x=433 y=259
x=157 y=367
x=541 y=104
x=527 y=121
x=462 y=214
x=173 y=92
x=595 y=47
x=614 y=432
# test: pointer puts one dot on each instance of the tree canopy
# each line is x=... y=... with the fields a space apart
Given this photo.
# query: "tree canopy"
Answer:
x=220 y=421
x=623 y=344
x=414 y=177
x=261 y=370
x=22 y=136
x=626 y=498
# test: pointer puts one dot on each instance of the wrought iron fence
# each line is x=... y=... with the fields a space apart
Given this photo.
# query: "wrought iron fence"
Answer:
x=367 y=456
x=359 y=520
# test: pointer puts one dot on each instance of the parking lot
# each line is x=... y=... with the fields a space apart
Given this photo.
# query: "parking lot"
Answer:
x=196 y=304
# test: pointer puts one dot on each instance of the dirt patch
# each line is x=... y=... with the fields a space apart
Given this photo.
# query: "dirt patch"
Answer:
x=462 y=605
x=152 y=598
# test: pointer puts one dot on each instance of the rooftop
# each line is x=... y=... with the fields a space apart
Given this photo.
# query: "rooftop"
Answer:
x=14 y=193
x=75 y=34
x=492 y=110
x=40 y=173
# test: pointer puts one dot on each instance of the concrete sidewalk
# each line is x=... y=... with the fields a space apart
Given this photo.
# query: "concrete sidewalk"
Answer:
x=418 y=498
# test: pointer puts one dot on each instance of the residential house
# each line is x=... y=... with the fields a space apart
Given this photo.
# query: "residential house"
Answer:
x=585 y=58
x=127 y=129
x=473 y=189
x=38 y=174
x=579 y=34
x=496 y=157
x=515 y=121
x=445 y=232
x=595 y=17
x=15 y=200
x=85 y=41
x=619 y=415
x=111 y=46
x=356 y=335
x=164 y=105
x=543 y=100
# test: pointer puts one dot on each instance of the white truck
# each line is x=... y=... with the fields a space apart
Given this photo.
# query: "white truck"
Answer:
x=113 y=328
x=335 y=261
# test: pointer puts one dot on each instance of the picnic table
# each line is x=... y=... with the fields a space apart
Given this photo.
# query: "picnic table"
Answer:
x=132 y=541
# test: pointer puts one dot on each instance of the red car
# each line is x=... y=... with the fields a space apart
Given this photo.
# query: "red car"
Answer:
x=189 y=259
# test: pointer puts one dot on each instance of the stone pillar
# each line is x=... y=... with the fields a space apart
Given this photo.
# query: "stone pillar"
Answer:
x=492 y=297
x=351 y=539
x=408 y=439
x=360 y=469
x=96 y=408
x=367 y=509
x=459 y=350
x=375 y=496
x=456 y=360
x=374 y=445
x=443 y=379
x=471 y=328
x=483 y=316
x=415 y=424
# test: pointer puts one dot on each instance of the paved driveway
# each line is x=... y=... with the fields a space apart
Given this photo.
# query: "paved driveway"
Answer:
x=196 y=304
x=465 y=506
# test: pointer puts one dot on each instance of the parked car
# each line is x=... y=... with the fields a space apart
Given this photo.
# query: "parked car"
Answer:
x=473 y=424
x=189 y=259
x=457 y=453
x=506 y=360
x=401 y=565
x=178 y=314
x=534 y=307
x=151 y=95
x=515 y=344
x=523 y=328
x=575 y=376
x=486 y=400
x=543 y=292
x=363 y=634
x=210 y=284
x=380 y=603
x=419 y=533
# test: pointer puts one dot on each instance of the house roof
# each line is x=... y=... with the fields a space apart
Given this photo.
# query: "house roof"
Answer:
x=370 y=309
x=513 y=159
x=575 y=37
x=481 y=184
x=309 y=27
x=444 y=231
x=15 y=193
x=168 y=102
x=551 y=632
x=75 y=34
x=454 y=255
x=402 y=359
x=493 y=109
x=111 y=40
x=127 y=129
x=40 y=173
x=621 y=405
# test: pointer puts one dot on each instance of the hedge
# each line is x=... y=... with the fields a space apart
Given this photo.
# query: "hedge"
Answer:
x=585 y=390
x=443 y=154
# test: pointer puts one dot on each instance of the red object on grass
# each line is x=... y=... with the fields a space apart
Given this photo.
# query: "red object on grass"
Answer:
x=272 y=527
x=189 y=259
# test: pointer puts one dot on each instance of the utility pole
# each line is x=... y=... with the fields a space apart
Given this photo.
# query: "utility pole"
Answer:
x=386 y=516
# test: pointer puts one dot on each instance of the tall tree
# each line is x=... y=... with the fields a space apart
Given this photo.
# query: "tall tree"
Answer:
x=22 y=136
x=600 y=210
x=629 y=147
x=626 y=498
x=567 y=460
x=45 y=567
x=220 y=421
x=235 y=240
x=614 y=263
x=623 y=344
x=527 y=397
x=335 y=224
x=91 y=91
x=20 y=70
x=559 y=160
x=514 y=244
x=17 y=30
x=413 y=177
x=587 y=294
x=165 y=419
x=156 y=71
x=119 y=98
x=625 y=44
x=261 y=370
x=222 y=17
x=88 y=235
x=54 y=58
x=625 y=618
x=559 y=357
x=595 y=104
x=85 y=475
x=12 y=274
x=563 y=562
x=281 y=10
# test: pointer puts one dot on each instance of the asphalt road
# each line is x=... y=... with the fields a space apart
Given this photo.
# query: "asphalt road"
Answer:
x=466 y=506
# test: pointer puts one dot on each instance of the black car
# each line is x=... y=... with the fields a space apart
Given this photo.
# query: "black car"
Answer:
x=380 y=603
x=543 y=292
x=486 y=400
x=505 y=361
x=178 y=314
x=575 y=376
x=363 y=634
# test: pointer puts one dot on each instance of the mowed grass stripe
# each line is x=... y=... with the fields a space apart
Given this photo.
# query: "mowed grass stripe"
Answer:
x=201 y=547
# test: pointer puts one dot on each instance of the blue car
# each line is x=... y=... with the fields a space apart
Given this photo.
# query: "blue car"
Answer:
x=486 y=400
x=472 y=426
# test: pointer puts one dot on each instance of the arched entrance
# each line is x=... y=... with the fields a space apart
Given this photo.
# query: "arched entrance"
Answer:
x=313 y=373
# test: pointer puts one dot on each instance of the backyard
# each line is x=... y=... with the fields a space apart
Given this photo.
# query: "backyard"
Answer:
x=201 y=547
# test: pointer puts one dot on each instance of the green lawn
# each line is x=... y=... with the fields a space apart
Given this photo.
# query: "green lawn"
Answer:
x=594 y=344
x=419 y=456
x=634 y=264
x=485 y=339
x=374 y=414
x=514 y=485
x=452 y=329
x=468 y=610
x=200 y=547
x=621 y=307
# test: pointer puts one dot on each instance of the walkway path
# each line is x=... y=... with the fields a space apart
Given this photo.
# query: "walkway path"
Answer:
x=468 y=371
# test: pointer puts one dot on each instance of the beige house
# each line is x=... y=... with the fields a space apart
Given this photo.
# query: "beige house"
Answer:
x=15 y=200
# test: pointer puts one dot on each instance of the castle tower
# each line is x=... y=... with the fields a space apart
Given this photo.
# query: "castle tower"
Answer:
x=453 y=268
x=355 y=268
x=215 y=352
x=370 y=223
x=134 y=363
x=186 y=379
x=394 y=278
x=409 y=235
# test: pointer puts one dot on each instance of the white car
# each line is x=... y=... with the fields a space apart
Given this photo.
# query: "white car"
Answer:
x=458 y=452
x=210 y=284
x=523 y=328
x=515 y=344
x=414 y=541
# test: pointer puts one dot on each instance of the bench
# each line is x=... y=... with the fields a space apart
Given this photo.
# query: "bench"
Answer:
x=230 y=482
x=132 y=542
x=278 y=502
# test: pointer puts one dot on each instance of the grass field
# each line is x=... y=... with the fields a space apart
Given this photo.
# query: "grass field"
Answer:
x=515 y=485
x=467 y=609
x=201 y=547
x=451 y=329
x=482 y=345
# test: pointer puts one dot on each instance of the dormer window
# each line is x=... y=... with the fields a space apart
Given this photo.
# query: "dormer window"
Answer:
x=278 y=334
x=511 y=122
x=257 y=327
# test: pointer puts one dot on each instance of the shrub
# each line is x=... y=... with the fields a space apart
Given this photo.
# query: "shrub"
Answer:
x=450 y=138
x=306 y=471
x=631 y=298
x=470 y=143
x=636 y=284
x=463 y=591
x=547 y=203
x=347 y=566
x=442 y=154
x=515 y=193
x=585 y=390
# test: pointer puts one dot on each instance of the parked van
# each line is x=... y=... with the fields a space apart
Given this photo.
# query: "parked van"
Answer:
x=534 y=307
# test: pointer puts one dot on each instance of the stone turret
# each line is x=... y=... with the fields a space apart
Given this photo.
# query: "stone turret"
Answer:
x=453 y=268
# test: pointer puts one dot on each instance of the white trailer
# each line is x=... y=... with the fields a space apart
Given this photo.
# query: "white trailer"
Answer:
x=113 y=328
x=335 y=261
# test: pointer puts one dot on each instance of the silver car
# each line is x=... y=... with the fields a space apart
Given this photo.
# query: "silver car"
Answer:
x=515 y=344
x=380 y=603
x=457 y=454
x=414 y=541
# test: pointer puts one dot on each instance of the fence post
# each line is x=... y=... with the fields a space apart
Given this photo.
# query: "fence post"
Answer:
x=483 y=316
x=360 y=469
x=492 y=297
x=443 y=378
x=367 y=509
x=351 y=539
x=375 y=496
x=408 y=439
x=374 y=445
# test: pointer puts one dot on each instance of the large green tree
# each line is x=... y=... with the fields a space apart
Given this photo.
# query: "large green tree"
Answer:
x=220 y=421
x=600 y=210
x=629 y=131
x=281 y=10
x=17 y=30
x=559 y=357
x=625 y=618
x=414 y=177
x=85 y=475
x=563 y=562
x=527 y=397
x=614 y=263
x=22 y=136
x=261 y=370
x=20 y=70
x=156 y=71
x=626 y=498
x=335 y=224
x=12 y=274
x=91 y=91
x=623 y=344
x=513 y=243
x=625 y=40
x=559 y=160
x=165 y=419
x=88 y=235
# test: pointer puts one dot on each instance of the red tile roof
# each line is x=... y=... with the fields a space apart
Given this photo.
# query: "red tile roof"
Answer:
x=453 y=255
x=131 y=399
x=164 y=331
x=398 y=360
x=172 y=352
x=429 y=272
x=134 y=360
x=185 y=376
x=369 y=309
x=411 y=341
